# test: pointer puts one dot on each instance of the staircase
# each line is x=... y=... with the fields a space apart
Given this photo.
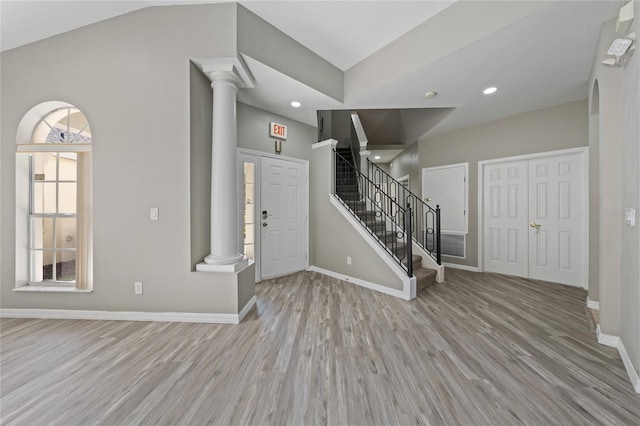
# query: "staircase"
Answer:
x=370 y=205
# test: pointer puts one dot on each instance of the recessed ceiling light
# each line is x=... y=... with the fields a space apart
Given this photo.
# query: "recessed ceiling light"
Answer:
x=490 y=90
x=377 y=157
x=296 y=104
x=430 y=95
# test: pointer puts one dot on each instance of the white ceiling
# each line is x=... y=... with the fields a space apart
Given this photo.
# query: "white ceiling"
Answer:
x=539 y=61
x=345 y=32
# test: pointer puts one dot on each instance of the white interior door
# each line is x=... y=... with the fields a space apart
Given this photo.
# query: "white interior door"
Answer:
x=557 y=218
x=505 y=218
x=534 y=214
x=283 y=217
x=446 y=186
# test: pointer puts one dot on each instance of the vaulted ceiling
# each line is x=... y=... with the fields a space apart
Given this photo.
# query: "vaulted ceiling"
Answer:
x=537 y=53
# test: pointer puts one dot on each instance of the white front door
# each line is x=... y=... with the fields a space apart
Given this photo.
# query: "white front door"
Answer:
x=534 y=214
x=505 y=213
x=557 y=219
x=283 y=218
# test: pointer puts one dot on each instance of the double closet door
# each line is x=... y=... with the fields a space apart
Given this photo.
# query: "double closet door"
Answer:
x=534 y=214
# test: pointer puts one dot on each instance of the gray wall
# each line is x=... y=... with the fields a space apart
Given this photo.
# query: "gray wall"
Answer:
x=615 y=134
x=408 y=163
x=333 y=238
x=265 y=43
x=201 y=118
x=630 y=255
x=558 y=127
x=630 y=178
x=131 y=76
x=605 y=288
x=401 y=57
x=253 y=133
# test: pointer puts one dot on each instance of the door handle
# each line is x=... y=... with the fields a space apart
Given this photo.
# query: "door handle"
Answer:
x=264 y=214
x=534 y=225
x=427 y=199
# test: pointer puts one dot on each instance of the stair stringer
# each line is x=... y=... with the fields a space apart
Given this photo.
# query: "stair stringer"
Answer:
x=408 y=283
x=428 y=261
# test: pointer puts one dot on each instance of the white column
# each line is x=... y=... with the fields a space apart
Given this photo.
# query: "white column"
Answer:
x=224 y=176
x=227 y=75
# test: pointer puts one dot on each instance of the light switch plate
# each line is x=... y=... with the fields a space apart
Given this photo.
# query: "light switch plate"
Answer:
x=630 y=216
x=154 y=213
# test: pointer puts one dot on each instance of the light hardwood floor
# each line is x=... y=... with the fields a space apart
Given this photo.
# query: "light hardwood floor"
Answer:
x=480 y=349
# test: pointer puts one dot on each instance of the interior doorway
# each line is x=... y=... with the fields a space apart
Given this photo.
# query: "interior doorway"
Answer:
x=533 y=216
x=275 y=212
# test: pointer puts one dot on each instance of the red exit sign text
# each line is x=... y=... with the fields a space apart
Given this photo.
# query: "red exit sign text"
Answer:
x=278 y=131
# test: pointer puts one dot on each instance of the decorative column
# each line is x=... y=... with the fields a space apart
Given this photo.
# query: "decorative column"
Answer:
x=226 y=75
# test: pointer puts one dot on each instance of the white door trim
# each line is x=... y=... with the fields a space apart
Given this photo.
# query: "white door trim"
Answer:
x=257 y=185
x=585 y=157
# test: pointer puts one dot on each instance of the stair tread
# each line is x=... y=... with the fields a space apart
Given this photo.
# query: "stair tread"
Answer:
x=424 y=272
x=425 y=277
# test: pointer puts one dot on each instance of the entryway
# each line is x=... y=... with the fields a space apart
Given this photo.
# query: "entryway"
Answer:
x=275 y=212
x=533 y=216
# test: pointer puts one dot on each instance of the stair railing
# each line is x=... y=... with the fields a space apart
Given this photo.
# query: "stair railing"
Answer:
x=372 y=207
x=425 y=221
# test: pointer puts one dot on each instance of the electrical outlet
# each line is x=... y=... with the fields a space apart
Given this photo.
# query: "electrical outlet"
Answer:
x=348 y=260
x=154 y=213
x=137 y=287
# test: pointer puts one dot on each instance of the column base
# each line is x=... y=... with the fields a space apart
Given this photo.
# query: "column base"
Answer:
x=231 y=267
x=228 y=259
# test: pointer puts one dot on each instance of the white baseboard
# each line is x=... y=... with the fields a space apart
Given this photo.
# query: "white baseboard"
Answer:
x=616 y=342
x=631 y=371
x=607 y=339
x=362 y=283
x=462 y=267
x=245 y=310
x=592 y=304
x=124 y=315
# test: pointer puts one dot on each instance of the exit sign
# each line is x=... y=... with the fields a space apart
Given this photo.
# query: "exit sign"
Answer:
x=278 y=131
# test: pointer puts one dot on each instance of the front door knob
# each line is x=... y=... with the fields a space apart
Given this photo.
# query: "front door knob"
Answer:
x=534 y=225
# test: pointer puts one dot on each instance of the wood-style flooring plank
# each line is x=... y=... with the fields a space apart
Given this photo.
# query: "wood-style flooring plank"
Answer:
x=479 y=349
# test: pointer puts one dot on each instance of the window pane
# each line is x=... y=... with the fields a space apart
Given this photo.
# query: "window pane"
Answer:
x=36 y=262
x=248 y=234
x=249 y=169
x=248 y=193
x=68 y=166
x=248 y=214
x=44 y=197
x=67 y=201
x=248 y=251
x=41 y=232
x=66 y=232
x=47 y=265
x=66 y=265
x=44 y=166
x=72 y=127
x=64 y=125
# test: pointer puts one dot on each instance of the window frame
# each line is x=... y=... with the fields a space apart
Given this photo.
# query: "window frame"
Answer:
x=57 y=215
x=27 y=143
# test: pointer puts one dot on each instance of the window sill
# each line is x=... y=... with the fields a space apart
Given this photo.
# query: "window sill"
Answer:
x=50 y=289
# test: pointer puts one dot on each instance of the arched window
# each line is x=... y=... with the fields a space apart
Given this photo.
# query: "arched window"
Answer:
x=54 y=199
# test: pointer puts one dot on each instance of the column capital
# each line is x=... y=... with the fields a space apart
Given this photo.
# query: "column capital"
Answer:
x=365 y=153
x=229 y=70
